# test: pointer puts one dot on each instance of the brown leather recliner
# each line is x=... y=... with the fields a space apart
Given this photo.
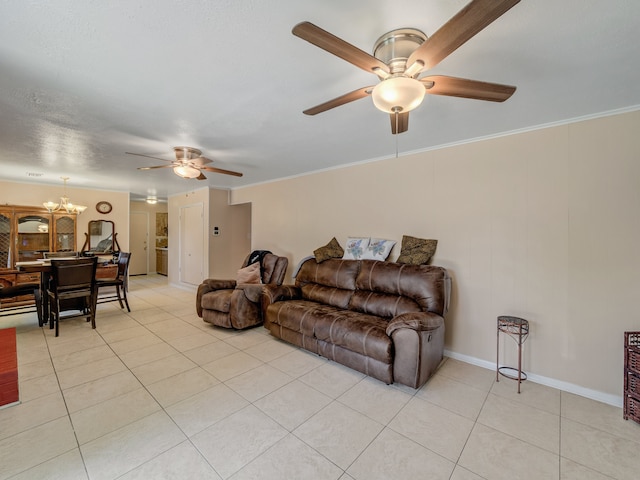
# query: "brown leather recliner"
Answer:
x=225 y=303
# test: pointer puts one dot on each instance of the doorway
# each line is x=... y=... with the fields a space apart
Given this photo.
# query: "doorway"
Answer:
x=192 y=244
x=139 y=243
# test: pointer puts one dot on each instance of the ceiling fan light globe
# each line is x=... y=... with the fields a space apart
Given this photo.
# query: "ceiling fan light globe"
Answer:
x=398 y=94
x=186 y=171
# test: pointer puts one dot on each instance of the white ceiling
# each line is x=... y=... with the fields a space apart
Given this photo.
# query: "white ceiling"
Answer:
x=83 y=82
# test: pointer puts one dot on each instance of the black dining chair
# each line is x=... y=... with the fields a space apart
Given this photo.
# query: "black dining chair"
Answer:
x=121 y=282
x=9 y=292
x=72 y=287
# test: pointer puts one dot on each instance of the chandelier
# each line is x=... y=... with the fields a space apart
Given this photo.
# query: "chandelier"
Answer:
x=64 y=204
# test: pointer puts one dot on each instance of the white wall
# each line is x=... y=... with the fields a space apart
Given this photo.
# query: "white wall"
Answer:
x=228 y=249
x=542 y=224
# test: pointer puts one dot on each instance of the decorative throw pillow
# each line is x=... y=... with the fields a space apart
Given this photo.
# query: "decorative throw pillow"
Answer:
x=250 y=274
x=378 y=249
x=416 y=251
x=330 y=250
x=356 y=247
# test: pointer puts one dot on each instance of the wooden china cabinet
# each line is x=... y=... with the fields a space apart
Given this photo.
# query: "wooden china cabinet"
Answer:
x=25 y=234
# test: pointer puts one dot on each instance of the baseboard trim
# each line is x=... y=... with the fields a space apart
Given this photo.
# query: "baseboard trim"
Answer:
x=615 y=400
x=184 y=286
x=2 y=407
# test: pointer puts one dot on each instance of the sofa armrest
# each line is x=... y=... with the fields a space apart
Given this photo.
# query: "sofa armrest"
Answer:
x=418 y=321
x=418 y=341
x=210 y=285
x=277 y=293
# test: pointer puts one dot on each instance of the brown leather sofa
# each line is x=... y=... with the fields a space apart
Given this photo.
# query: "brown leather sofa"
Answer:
x=225 y=303
x=383 y=319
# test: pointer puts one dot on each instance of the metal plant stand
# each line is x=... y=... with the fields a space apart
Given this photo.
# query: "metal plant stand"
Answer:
x=518 y=329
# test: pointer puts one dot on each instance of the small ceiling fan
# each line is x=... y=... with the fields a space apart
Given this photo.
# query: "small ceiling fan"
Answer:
x=189 y=163
x=400 y=56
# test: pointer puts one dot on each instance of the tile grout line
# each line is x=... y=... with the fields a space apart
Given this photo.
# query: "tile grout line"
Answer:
x=333 y=400
x=66 y=406
x=560 y=439
x=475 y=423
x=162 y=408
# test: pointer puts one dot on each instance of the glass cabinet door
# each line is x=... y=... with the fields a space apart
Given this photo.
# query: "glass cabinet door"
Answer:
x=33 y=237
x=65 y=233
x=5 y=241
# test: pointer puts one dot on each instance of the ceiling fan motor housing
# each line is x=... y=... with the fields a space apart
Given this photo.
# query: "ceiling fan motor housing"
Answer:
x=394 y=47
x=187 y=153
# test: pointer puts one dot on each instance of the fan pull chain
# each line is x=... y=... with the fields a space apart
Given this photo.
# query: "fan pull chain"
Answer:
x=396 y=111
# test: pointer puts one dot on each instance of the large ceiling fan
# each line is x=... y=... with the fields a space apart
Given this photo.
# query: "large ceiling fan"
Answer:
x=189 y=163
x=400 y=56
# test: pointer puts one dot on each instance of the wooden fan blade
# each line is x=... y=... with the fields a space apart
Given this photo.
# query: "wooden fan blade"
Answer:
x=399 y=120
x=336 y=102
x=461 y=27
x=332 y=44
x=157 y=166
x=201 y=177
x=461 y=87
x=148 y=156
x=220 y=170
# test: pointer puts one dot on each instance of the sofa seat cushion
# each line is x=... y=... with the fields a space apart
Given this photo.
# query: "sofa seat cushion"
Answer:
x=357 y=332
x=298 y=315
x=220 y=300
x=354 y=331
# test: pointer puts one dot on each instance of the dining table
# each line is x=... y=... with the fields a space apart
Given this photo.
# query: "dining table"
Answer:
x=104 y=270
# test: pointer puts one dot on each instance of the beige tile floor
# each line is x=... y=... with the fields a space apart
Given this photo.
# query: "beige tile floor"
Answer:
x=159 y=394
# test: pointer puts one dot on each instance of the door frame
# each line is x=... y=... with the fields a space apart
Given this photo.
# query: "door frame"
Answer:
x=131 y=243
x=181 y=246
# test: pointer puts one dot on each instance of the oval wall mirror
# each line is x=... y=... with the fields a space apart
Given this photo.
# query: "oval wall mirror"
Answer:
x=101 y=236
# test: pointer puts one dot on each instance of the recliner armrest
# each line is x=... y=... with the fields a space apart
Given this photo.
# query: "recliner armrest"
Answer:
x=418 y=321
x=253 y=291
x=211 y=285
x=216 y=284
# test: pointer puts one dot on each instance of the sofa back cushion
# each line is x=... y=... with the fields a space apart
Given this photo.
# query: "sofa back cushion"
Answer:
x=334 y=272
x=409 y=286
x=331 y=282
x=382 y=304
x=336 y=297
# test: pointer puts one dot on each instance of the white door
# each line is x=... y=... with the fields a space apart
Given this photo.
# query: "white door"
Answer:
x=192 y=244
x=138 y=243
